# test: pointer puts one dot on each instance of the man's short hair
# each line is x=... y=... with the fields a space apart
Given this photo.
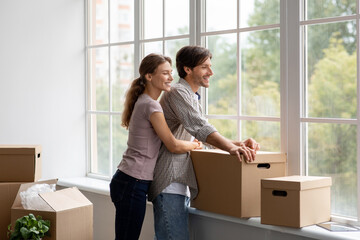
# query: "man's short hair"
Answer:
x=190 y=56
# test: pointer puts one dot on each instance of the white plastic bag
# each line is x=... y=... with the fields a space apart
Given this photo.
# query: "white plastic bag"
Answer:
x=30 y=198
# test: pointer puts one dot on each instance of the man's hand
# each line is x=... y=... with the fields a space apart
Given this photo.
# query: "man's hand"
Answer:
x=248 y=153
x=248 y=148
x=252 y=144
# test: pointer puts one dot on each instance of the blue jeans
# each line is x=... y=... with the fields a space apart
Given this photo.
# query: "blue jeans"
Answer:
x=129 y=197
x=171 y=217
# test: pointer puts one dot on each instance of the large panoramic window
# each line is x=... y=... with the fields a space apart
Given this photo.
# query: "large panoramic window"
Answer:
x=285 y=74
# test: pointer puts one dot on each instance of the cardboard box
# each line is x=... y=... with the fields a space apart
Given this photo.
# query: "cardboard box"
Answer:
x=295 y=201
x=229 y=187
x=71 y=217
x=20 y=163
x=8 y=193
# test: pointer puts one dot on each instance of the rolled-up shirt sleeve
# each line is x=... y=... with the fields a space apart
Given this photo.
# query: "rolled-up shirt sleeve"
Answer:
x=181 y=103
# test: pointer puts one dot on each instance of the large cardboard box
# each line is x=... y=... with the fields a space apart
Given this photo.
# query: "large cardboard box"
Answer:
x=8 y=193
x=295 y=201
x=229 y=187
x=20 y=163
x=71 y=217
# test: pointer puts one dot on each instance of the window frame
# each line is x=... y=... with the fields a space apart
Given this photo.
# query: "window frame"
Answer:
x=291 y=80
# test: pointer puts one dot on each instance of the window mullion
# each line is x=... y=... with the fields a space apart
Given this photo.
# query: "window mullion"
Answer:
x=283 y=77
x=238 y=68
x=358 y=105
x=293 y=86
x=138 y=33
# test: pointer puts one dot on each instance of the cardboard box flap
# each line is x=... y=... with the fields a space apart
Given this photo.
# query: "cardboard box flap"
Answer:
x=261 y=156
x=65 y=199
x=296 y=182
x=20 y=149
x=23 y=187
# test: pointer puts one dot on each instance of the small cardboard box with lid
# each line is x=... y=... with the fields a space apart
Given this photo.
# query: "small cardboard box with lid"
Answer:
x=229 y=187
x=20 y=163
x=295 y=201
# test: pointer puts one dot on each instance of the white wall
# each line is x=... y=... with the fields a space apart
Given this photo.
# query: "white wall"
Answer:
x=42 y=81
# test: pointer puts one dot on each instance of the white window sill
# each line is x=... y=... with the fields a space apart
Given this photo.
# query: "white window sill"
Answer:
x=102 y=187
x=86 y=184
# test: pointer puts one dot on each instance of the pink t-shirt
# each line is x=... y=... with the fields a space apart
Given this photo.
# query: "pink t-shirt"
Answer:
x=143 y=143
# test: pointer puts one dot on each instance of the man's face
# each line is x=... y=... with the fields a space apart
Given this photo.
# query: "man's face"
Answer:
x=201 y=74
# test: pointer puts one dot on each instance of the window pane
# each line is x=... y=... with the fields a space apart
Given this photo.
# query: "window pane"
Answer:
x=259 y=12
x=265 y=133
x=99 y=78
x=221 y=15
x=100 y=144
x=171 y=48
x=122 y=73
x=226 y=127
x=332 y=152
x=153 y=19
x=222 y=98
x=120 y=137
x=260 y=73
x=98 y=27
x=329 y=8
x=173 y=10
x=153 y=47
x=331 y=68
x=121 y=20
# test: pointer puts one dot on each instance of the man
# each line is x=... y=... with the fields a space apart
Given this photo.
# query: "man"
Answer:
x=174 y=177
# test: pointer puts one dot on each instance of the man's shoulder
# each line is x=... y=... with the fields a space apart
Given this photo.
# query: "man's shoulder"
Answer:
x=180 y=88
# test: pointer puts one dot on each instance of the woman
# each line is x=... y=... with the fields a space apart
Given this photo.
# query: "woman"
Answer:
x=144 y=118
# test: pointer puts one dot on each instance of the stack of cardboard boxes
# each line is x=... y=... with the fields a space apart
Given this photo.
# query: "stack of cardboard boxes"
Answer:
x=70 y=214
x=259 y=189
x=18 y=164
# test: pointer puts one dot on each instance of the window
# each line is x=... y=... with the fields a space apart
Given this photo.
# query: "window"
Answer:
x=244 y=98
x=329 y=122
x=286 y=74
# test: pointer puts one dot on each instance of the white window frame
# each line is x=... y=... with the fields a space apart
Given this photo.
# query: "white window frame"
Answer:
x=291 y=81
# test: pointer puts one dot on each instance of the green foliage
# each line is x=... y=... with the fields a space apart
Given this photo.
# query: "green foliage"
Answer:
x=332 y=88
x=29 y=228
x=332 y=147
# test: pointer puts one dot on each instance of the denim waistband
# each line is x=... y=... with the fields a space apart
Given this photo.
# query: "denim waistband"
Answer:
x=126 y=176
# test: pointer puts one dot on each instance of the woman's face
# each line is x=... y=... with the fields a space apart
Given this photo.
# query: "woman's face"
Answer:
x=162 y=78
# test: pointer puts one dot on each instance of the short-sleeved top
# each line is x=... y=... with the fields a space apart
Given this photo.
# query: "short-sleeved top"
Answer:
x=143 y=143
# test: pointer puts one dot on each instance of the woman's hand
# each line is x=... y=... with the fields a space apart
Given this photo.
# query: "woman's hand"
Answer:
x=199 y=144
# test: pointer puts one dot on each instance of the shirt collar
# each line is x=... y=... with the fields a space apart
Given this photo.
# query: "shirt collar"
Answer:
x=187 y=85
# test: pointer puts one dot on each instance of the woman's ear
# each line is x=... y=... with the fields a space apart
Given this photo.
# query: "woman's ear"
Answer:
x=148 y=76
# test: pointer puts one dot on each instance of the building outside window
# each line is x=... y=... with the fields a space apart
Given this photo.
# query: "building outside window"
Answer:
x=286 y=74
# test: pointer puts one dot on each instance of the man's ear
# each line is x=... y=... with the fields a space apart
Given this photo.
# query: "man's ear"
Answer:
x=187 y=70
x=148 y=77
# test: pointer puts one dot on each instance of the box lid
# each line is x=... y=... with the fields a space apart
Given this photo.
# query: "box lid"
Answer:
x=261 y=156
x=20 y=149
x=65 y=199
x=24 y=187
x=296 y=182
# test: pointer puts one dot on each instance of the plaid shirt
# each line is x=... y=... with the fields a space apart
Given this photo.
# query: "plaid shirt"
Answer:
x=184 y=121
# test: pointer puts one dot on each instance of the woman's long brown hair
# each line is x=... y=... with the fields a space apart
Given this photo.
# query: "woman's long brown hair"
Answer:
x=148 y=65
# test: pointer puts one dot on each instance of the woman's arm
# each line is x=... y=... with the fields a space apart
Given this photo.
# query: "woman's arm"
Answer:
x=174 y=145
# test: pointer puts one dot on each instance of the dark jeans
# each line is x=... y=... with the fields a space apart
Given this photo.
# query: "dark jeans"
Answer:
x=129 y=197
